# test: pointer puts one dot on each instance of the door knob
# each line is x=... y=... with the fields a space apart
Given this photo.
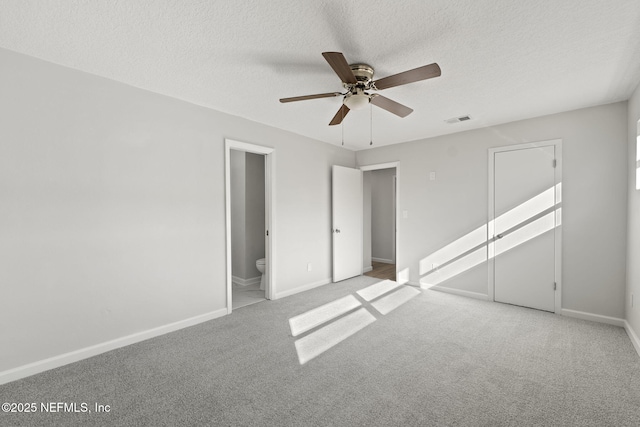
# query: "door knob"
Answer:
x=337 y=230
x=499 y=236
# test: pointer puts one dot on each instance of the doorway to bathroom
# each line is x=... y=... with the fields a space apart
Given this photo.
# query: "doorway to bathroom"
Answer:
x=249 y=216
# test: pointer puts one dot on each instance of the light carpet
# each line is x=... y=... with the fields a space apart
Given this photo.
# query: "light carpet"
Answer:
x=436 y=360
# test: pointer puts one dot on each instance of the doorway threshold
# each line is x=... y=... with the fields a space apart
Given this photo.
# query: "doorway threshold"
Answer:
x=382 y=270
x=243 y=296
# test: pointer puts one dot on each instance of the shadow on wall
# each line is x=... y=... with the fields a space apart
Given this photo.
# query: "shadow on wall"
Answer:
x=526 y=221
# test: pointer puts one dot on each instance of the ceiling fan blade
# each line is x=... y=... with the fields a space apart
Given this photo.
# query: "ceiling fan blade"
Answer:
x=337 y=119
x=415 y=75
x=390 y=105
x=302 y=98
x=340 y=66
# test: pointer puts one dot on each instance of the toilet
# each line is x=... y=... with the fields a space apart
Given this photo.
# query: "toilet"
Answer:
x=260 y=265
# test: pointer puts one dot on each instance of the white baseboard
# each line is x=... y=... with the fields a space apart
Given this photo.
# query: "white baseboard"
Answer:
x=367 y=269
x=302 y=288
x=382 y=260
x=632 y=336
x=245 y=282
x=593 y=317
x=453 y=291
x=84 y=353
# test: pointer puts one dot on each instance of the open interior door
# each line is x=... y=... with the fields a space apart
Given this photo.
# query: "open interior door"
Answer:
x=347 y=222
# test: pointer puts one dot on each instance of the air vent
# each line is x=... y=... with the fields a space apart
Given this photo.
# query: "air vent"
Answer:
x=458 y=119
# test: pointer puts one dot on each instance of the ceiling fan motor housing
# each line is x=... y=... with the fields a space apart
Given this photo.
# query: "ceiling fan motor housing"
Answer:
x=363 y=73
x=357 y=98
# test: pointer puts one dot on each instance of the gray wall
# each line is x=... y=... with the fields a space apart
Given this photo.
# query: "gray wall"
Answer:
x=237 y=199
x=595 y=151
x=113 y=209
x=382 y=215
x=254 y=213
x=633 y=243
x=247 y=213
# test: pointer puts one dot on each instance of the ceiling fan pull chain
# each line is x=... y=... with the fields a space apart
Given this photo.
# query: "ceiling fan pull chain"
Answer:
x=342 y=126
x=370 y=124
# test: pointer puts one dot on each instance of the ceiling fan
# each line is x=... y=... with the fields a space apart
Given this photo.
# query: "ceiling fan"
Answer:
x=357 y=79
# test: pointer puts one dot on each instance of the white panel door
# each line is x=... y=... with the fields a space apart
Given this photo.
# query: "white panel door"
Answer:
x=347 y=222
x=524 y=223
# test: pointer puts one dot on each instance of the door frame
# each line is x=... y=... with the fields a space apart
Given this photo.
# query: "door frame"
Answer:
x=389 y=165
x=557 y=144
x=270 y=213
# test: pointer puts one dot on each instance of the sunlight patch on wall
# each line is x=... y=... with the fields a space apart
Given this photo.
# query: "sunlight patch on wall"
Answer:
x=526 y=210
x=454 y=249
x=524 y=234
x=526 y=221
x=465 y=263
x=403 y=276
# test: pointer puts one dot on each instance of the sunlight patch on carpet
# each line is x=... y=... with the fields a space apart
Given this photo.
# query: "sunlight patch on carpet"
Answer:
x=327 y=337
x=316 y=317
x=391 y=302
x=377 y=289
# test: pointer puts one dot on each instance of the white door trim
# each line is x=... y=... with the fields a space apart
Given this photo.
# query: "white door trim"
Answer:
x=557 y=143
x=270 y=213
x=390 y=165
x=379 y=166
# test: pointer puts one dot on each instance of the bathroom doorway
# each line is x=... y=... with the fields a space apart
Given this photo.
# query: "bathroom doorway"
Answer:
x=380 y=222
x=249 y=215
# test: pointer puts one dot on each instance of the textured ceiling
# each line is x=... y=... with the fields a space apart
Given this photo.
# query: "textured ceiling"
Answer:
x=501 y=60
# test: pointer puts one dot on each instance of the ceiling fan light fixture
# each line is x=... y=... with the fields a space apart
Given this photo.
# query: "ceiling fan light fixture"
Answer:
x=356 y=102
